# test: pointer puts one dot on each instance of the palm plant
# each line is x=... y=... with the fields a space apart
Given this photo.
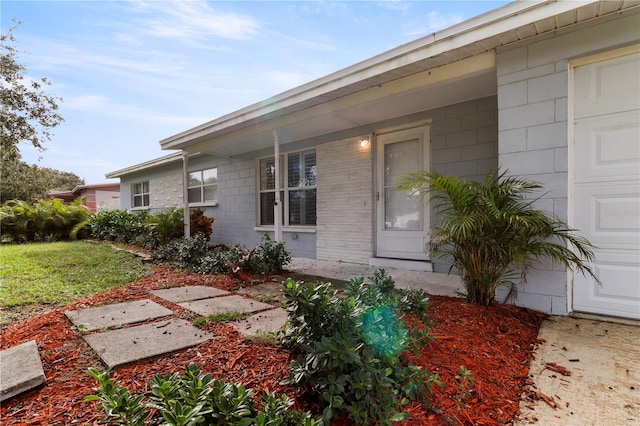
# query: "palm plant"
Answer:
x=492 y=232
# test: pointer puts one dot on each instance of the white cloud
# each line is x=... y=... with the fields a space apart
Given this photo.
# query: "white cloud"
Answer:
x=193 y=20
x=85 y=102
x=395 y=5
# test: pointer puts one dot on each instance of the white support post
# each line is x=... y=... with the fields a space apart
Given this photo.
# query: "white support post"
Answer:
x=185 y=194
x=277 y=209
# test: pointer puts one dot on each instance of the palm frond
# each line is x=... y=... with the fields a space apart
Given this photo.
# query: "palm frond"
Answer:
x=492 y=231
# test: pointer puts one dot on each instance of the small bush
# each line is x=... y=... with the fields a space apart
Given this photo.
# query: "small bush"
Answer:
x=201 y=224
x=493 y=234
x=350 y=349
x=162 y=227
x=184 y=253
x=269 y=257
x=118 y=225
x=190 y=399
x=192 y=253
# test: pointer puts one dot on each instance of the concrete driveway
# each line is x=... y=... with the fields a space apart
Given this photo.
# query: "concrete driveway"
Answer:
x=603 y=388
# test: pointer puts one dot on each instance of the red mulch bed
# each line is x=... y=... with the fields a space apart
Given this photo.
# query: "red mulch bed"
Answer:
x=495 y=344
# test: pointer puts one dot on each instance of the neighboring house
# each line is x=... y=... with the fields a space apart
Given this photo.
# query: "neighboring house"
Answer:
x=548 y=90
x=99 y=197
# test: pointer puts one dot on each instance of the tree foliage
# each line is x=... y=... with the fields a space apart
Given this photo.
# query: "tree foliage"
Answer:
x=26 y=182
x=28 y=112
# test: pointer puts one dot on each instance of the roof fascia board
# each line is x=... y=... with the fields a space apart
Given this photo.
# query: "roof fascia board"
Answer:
x=167 y=159
x=495 y=22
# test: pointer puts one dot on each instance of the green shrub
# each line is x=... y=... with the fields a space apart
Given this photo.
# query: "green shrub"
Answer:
x=184 y=253
x=44 y=220
x=269 y=257
x=191 y=399
x=493 y=233
x=163 y=227
x=350 y=349
x=118 y=225
x=192 y=253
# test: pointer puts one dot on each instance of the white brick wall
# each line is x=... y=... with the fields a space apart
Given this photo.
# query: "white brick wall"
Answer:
x=344 y=230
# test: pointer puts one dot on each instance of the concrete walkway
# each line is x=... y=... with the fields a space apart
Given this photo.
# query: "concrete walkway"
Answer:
x=431 y=282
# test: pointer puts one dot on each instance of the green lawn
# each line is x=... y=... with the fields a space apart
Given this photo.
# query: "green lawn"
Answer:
x=62 y=272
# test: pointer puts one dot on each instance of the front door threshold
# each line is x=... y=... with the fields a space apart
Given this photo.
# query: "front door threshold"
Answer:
x=409 y=265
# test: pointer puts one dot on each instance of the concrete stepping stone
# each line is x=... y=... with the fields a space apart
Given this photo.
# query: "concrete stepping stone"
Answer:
x=190 y=292
x=220 y=305
x=263 y=322
x=117 y=314
x=118 y=347
x=20 y=370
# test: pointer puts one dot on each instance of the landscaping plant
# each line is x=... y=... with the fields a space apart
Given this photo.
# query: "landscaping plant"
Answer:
x=43 y=220
x=194 y=254
x=118 y=225
x=193 y=398
x=163 y=227
x=492 y=232
x=350 y=348
x=200 y=224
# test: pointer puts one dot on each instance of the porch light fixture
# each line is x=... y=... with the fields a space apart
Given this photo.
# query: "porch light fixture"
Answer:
x=363 y=142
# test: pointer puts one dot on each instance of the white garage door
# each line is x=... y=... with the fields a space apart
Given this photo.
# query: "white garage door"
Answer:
x=606 y=192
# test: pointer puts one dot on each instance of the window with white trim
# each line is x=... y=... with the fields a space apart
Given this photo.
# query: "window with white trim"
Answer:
x=298 y=196
x=203 y=186
x=140 y=194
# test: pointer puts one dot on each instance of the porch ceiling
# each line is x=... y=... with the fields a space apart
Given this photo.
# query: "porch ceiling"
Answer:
x=353 y=111
x=373 y=90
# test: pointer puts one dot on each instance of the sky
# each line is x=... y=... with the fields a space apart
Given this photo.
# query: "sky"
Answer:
x=131 y=73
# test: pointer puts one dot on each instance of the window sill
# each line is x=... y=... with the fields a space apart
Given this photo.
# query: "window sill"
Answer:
x=140 y=209
x=298 y=229
x=207 y=204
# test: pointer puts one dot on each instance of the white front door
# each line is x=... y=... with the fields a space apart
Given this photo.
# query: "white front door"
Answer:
x=403 y=220
x=607 y=182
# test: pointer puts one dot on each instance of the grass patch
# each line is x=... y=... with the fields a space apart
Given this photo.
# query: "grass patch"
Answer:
x=60 y=273
x=221 y=317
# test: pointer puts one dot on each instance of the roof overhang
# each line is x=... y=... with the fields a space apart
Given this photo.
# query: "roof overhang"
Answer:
x=157 y=162
x=453 y=65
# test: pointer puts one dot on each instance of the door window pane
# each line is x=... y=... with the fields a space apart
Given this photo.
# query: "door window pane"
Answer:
x=401 y=211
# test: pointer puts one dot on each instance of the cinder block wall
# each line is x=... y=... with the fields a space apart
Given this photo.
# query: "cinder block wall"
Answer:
x=235 y=214
x=464 y=142
x=344 y=206
x=533 y=106
x=464 y=139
